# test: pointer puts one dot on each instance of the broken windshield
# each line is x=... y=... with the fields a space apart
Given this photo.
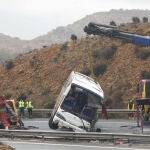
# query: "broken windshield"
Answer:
x=79 y=98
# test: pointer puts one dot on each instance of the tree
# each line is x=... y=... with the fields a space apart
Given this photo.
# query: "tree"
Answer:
x=73 y=37
x=113 y=23
x=135 y=20
x=9 y=64
x=145 y=19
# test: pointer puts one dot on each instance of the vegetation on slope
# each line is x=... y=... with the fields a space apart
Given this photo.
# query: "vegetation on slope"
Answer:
x=117 y=66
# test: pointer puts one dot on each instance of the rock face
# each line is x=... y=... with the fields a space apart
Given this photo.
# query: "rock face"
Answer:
x=12 y=47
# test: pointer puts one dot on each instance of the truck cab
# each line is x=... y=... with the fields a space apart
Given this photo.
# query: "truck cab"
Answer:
x=143 y=89
x=76 y=106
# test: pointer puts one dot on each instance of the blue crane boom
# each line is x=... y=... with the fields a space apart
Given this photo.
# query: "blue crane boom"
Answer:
x=115 y=32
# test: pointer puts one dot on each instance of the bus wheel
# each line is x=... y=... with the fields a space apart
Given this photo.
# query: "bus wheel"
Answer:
x=53 y=125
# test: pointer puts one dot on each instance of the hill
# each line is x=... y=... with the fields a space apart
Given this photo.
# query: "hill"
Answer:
x=12 y=47
x=39 y=75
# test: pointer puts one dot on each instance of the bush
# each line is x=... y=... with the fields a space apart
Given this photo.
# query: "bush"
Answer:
x=52 y=104
x=9 y=65
x=113 y=23
x=73 y=37
x=145 y=74
x=135 y=20
x=99 y=69
x=32 y=62
x=145 y=19
x=117 y=99
x=95 y=53
x=8 y=96
x=22 y=96
x=30 y=92
x=142 y=53
x=64 y=46
x=73 y=61
x=45 y=91
x=86 y=71
x=107 y=52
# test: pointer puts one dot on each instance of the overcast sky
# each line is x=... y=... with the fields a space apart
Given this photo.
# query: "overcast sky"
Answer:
x=28 y=19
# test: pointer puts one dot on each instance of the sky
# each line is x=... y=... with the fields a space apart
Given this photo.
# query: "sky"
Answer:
x=28 y=19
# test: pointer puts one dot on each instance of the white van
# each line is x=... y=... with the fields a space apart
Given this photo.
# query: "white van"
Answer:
x=77 y=104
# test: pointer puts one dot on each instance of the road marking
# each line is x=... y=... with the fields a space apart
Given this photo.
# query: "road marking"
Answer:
x=68 y=145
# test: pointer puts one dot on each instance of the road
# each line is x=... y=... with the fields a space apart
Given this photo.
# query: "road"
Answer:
x=66 y=146
x=107 y=126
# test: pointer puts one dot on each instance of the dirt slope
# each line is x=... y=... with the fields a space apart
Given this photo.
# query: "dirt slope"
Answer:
x=39 y=75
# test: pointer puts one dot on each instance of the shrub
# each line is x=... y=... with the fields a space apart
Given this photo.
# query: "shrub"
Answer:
x=73 y=37
x=45 y=46
x=113 y=23
x=51 y=105
x=117 y=99
x=64 y=46
x=22 y=96
x=107 y=52
x=9 y=64
x=54 y=59
x=73 y=61
x=145 y=74
x=30 y=92
x=45 y=91
x=145 y=19
x=142 y=53
x=32 y=62
x=95 y=53
x=8 y=95
x=135 y=20
x=99 y=69
x=86 y=71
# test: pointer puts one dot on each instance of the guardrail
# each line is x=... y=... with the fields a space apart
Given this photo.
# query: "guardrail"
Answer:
x=99 y=111
x=70 y=135
x=47 y=112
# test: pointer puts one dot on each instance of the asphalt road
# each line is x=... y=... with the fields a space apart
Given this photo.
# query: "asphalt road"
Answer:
x=107 y=126
x=69 y=146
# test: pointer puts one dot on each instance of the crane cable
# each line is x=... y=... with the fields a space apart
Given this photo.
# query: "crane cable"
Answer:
x=89 y=58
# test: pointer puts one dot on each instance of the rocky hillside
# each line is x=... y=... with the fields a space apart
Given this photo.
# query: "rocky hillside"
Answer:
x=11 y=47
x=39 y=75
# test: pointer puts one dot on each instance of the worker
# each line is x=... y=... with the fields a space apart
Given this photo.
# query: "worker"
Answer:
x=29 y=107
x=131 y=107
x=21 y=108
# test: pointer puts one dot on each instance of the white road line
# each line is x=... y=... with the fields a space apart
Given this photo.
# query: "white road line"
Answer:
x=68 y=145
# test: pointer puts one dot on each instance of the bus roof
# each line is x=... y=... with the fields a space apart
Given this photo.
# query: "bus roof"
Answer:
x=87 y=83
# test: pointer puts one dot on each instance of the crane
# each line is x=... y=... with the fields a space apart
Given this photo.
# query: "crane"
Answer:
x=115 y=32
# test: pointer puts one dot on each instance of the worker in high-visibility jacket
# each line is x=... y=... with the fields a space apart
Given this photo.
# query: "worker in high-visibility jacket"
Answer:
x=29 y=107
x=21 y=108
x=131 y=106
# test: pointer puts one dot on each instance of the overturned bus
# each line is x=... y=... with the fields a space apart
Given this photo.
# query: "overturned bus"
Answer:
x=77 y=105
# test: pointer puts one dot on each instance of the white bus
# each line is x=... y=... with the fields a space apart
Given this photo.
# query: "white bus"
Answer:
x=77 y=104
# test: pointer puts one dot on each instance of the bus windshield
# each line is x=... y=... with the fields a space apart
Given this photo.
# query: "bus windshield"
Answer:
x=81 y=102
